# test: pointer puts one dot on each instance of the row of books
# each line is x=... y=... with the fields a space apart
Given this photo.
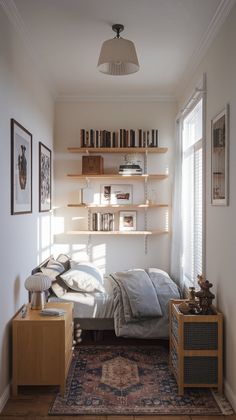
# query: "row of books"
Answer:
x=119 y=138
x=103 y=221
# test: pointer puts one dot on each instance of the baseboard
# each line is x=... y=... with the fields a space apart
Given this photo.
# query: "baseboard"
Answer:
x=4 y=397
x=230 y=395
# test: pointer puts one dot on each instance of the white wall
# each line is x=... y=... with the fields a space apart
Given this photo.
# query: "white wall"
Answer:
x=220 y=67
x=25 y=239
x=111 y=253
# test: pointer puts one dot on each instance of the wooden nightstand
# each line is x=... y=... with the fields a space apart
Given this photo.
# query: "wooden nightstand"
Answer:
x=42 y=347
x=195 y=348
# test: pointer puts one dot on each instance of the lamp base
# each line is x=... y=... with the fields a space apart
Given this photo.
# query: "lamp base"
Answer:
x=38 y=300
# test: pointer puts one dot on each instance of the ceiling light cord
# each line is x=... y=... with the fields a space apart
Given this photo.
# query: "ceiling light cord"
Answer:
x=117 y=28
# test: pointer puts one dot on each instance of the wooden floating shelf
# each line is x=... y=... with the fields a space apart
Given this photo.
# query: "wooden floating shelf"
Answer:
x=88 y=150
x=118 y=206
x=117 y=176
x=117 y=232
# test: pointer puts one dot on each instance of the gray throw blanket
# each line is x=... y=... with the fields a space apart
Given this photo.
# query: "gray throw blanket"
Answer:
x=141 y=298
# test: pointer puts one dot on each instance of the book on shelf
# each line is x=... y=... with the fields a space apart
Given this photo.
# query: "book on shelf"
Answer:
x=120 y=138
x=103 y=221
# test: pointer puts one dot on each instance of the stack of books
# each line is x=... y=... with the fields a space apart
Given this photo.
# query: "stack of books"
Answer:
x=103 y=221
x=130 y=169
x=52 y=312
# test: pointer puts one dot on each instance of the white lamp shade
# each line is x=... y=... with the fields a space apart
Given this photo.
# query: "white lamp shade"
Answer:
x=37 y=282
x=118 y=57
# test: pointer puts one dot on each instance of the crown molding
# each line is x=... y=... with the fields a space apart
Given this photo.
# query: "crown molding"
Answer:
x=98 y=98
x=214 y=26
x=16 y=20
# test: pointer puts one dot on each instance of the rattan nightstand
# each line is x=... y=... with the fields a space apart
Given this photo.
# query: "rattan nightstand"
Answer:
x=195 y=349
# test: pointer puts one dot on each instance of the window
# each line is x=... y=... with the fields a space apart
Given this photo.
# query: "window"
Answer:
x=192 y=194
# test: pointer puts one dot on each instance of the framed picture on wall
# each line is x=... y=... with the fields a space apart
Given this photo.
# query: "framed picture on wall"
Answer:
x=21 y=169
x=219 y=158
x=116 y=194
x=44 y=178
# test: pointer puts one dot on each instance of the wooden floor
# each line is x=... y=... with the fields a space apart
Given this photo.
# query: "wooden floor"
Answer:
x=34 y=402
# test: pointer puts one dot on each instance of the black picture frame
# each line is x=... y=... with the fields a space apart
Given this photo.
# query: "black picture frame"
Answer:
x=45 y=178
x=21 y=169
x=220 y=158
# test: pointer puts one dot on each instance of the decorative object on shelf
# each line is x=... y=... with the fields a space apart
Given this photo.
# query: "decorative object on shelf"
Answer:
x=44 y=178
x=116 y=194
x=118 y=55
x=219 y=158
x=21 y=169
x=92 y=165
x=205 y=296
x=86 y=195
x=199 y=303
x=184 y=308
x=37 y=284
x=127 y=220
x=131 y=166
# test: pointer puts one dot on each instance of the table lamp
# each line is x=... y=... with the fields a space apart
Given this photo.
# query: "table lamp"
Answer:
x=36 y=284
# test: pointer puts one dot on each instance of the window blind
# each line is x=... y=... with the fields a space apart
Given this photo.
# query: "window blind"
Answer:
x=192 y=194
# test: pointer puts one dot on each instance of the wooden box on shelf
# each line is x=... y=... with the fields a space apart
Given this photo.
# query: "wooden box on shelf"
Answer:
x=92 y=165
x=42 y=347
x=195 y=348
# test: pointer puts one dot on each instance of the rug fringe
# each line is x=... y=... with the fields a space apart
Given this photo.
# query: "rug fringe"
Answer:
x=223 y=403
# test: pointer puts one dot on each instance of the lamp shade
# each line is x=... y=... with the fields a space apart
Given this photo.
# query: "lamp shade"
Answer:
x=118 y=57
x=37 y=282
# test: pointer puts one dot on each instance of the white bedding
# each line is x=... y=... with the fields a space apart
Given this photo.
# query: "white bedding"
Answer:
x=91 y=305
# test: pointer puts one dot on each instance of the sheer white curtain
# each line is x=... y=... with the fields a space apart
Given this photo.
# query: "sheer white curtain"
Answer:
x=177 y=227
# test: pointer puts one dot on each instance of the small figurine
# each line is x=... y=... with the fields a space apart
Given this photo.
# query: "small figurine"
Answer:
x=205 y=296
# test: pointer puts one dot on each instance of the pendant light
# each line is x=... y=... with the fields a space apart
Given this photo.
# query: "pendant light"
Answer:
x=118 y=55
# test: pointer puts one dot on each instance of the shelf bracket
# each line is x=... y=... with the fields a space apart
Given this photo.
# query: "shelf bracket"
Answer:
x=146 y=244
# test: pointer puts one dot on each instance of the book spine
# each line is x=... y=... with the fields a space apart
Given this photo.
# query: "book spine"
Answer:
x=156 y=143
x=82 y=137
x=140 y=138
x=91 y=138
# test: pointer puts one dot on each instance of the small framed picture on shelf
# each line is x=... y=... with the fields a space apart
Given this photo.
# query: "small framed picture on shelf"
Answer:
x=116 y=194
x=219 y=158
x=127 y=220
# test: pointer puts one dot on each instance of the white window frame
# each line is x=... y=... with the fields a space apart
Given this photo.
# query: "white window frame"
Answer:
x=200 y=143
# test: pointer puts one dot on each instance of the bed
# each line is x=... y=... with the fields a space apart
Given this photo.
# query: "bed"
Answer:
x=134 y=302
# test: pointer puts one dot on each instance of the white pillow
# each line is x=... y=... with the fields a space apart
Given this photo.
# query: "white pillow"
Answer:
x=52 y=269
x=84 y=277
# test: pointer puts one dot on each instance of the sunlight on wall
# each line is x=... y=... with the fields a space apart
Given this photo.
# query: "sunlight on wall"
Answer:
x=44 y=236
x=58 y=225
x=79 y=252
x=98 y=256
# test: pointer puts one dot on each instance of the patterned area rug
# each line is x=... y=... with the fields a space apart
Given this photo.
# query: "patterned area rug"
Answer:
x=129 y=381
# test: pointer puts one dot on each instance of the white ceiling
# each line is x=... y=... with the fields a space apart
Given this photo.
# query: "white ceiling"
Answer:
x=66 y=37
